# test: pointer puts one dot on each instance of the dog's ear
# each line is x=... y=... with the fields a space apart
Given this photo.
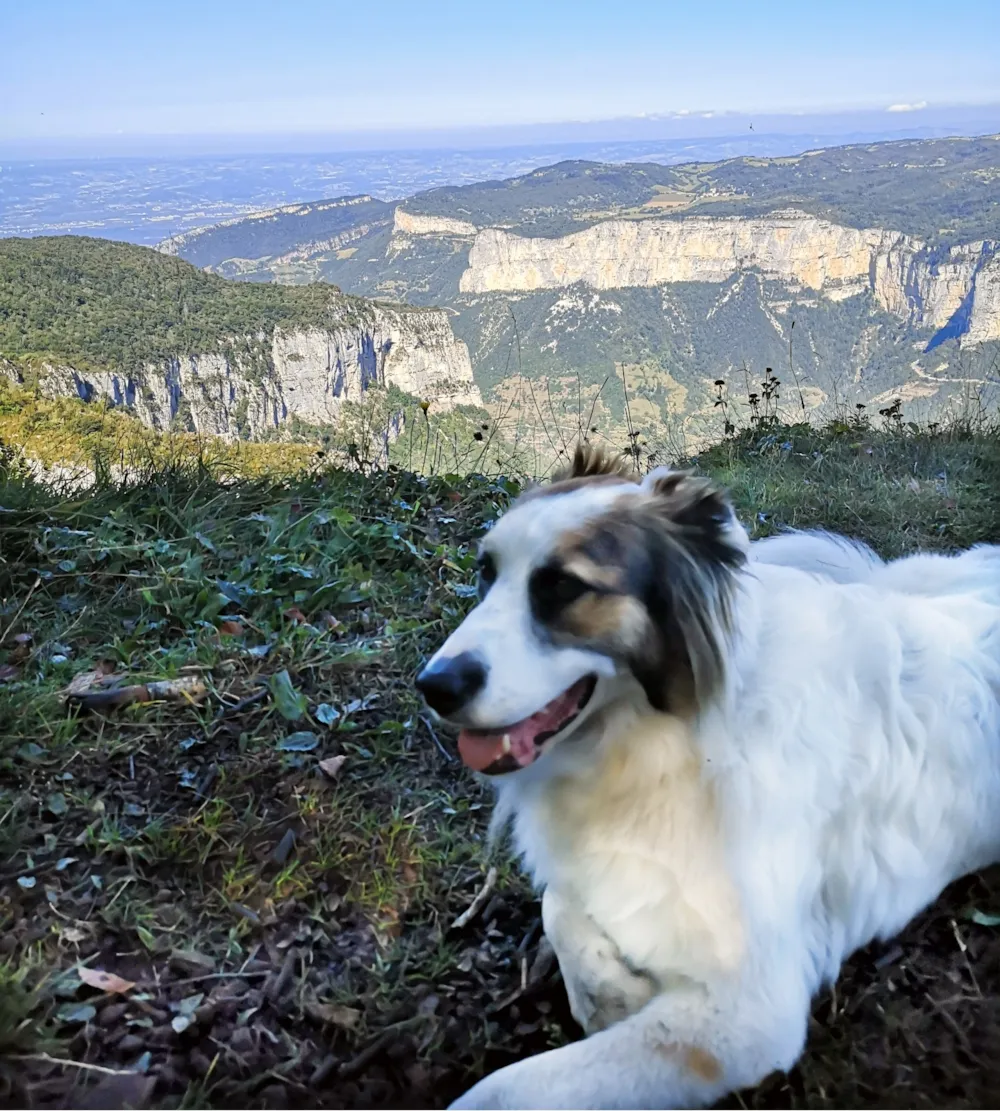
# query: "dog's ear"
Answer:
x=702 y=511
x=692 y=545
x=590 y=460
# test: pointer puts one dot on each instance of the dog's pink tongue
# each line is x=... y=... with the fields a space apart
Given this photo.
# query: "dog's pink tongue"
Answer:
x=480 y=750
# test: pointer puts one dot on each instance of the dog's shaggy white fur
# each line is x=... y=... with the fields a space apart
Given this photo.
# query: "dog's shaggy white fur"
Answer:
x=709 y=857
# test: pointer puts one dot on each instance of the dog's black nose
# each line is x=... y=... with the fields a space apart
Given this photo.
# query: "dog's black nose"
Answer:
x=451 y=683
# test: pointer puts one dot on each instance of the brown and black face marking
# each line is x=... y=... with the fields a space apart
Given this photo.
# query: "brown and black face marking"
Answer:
x=649 y=582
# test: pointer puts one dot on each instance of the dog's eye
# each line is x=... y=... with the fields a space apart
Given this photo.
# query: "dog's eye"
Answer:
x=553 y=590
x=487 y=573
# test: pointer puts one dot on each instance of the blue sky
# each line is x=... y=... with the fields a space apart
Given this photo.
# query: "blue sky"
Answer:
x=103 y=67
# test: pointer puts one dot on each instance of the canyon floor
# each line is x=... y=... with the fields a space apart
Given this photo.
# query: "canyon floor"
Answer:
x=251 y=889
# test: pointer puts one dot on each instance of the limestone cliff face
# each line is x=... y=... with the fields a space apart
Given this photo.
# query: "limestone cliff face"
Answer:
x=416 y=223
x=905 y=277
x=984 y=319
x=307 y=373
x=410 y=226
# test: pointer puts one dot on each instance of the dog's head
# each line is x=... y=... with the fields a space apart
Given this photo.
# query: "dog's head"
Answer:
x=588 y=586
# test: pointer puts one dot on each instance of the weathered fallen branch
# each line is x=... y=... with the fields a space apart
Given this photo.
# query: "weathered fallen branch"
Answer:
x=187 y=688
x=478 y=902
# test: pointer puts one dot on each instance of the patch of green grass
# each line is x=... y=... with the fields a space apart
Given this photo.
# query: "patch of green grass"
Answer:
x=898 y=490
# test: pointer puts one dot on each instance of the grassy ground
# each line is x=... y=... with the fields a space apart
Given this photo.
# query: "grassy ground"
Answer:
x=275 y=865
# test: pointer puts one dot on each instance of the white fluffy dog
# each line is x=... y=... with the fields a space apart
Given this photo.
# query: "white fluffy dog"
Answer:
x=727 y=766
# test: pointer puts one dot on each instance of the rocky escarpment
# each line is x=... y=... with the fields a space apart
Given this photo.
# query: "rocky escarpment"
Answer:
x=254 y=386
x=936 y=290
x=407 y=227
x=984 y=310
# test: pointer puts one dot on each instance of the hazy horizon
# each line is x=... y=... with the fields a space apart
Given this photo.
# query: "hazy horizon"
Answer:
x=164 y=76
x=870 y=125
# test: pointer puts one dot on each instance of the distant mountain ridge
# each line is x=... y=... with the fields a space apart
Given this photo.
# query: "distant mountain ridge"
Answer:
x=883 y=258
x=297 y=230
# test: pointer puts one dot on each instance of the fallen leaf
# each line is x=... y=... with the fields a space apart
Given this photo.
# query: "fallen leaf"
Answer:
x=304 y=741
x=181 y=1022
x=23 y=639
x=56 y=805
x=72 y=935
x=192 y=962
x=294 y=614
x=326 y=713
x=334 y=1014
x=231 y=629
x=357 y=704
x=982 y=919
x=231 y=591
x=8 y=672
x=328 y=621
x=100 y=675
x=104 y=981
x=332 y=765
x=86 y=680
x=283 y=848
x=76 y=1012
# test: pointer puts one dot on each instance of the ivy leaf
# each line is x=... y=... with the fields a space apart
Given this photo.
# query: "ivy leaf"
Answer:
x=304 y=741
x=289 y=702
x=231 y=591
x=326 y=713
x=76 y=1012
x=56 y=805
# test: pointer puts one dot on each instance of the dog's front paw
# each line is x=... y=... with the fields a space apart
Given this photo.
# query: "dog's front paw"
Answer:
x=537 y=1082
x=504 y=1089
x=483 y=1096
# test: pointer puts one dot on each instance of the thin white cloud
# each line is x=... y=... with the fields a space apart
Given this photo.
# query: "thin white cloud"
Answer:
x=907 y=107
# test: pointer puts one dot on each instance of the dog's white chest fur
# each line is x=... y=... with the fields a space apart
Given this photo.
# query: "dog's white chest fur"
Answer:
x=638 y=894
